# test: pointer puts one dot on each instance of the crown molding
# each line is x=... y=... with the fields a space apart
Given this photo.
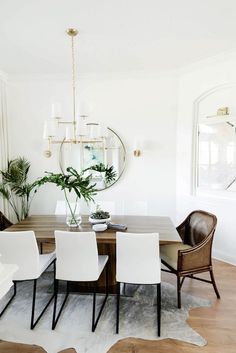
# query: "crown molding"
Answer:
x=37 y=77
x=14 y=78
x=216 y=59
x=176 y=73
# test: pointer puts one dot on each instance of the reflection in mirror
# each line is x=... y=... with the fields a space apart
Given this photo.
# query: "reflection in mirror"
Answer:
x=217 y=154
x=99 y=144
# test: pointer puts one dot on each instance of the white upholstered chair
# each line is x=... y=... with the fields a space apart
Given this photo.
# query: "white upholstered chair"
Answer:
x=138 y=262
x=78 y=261
x=63 y=209
x=108 y=206
x=6 y=274
x=136 y=208
x=21 y=248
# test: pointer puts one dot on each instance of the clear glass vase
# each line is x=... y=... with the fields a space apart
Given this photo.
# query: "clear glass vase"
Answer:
x=73 y=217
x=73 y=221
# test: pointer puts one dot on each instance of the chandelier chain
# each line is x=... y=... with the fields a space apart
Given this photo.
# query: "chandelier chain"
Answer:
x=73 y=84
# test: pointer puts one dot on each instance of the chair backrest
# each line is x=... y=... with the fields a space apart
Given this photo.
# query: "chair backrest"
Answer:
x=6 y=274
x=137 y=258
x=136 y=208
x=20 y=248
x=108 y=206
x=77 y=256
x=63 y=209
x=4 y=222
x=197 y=227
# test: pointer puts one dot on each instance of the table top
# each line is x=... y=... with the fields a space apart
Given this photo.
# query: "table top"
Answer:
x=45 y=225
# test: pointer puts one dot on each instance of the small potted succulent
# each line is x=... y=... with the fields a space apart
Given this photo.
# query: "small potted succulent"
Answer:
x=99 y=216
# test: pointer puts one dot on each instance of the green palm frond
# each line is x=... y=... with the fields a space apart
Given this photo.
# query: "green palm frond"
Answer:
x=4 y=192
x=17 y=171
x=15 y=188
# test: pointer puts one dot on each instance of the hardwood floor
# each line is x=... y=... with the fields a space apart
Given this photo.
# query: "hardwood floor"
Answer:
x=217 y=324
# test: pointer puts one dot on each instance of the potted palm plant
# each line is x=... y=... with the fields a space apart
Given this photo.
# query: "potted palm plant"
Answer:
x=15 y=188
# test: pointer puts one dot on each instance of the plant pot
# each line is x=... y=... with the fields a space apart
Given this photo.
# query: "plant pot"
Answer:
x=96 y=221
x=73 y=217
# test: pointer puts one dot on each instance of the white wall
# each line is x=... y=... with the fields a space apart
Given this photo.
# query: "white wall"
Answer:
x=143 y=107
x=208 y=75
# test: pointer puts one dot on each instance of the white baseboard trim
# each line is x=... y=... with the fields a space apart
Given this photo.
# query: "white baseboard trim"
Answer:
x=222 y=256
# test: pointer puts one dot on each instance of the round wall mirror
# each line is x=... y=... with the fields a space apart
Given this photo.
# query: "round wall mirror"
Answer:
x=98 y=145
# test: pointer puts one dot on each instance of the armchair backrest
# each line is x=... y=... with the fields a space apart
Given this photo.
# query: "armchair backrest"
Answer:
x=198 y=226
x=4 y=222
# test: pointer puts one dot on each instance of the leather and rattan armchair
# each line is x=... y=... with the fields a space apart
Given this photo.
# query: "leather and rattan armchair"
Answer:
x=193 y=255
x=4 y=222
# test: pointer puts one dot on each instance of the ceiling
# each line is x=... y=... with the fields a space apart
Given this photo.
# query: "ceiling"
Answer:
x=116 y=36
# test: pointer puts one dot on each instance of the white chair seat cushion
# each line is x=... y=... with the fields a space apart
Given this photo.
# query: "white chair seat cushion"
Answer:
x=169 y=253
x=45 y=260
x=102 y=260
x=6 y=274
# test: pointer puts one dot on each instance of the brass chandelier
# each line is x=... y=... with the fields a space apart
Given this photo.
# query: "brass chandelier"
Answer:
x=76 y=130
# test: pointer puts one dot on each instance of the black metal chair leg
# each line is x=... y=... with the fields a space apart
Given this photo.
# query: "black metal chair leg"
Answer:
x=124 y=291
x=159 y=309
x=10 y=300
x=33 y=304
x=94 y=306
x=55 y=303
x=107 y=279
x=178 y=292
x=117 y=306
x=34 y=323
x=54 y=318
x=95 y=322
x=214 y=284
x=54 y=270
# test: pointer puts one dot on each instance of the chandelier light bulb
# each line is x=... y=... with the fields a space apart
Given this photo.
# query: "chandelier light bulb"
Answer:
x=56 y=111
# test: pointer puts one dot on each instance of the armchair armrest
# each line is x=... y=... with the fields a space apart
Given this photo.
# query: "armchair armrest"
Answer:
x=181 y=230
x=197 y=257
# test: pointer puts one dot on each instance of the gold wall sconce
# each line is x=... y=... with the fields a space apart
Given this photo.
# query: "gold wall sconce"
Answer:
x=137 y=149
x=137 y=153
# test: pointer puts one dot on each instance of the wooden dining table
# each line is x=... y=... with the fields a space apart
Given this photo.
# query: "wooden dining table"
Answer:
x=45 y=225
